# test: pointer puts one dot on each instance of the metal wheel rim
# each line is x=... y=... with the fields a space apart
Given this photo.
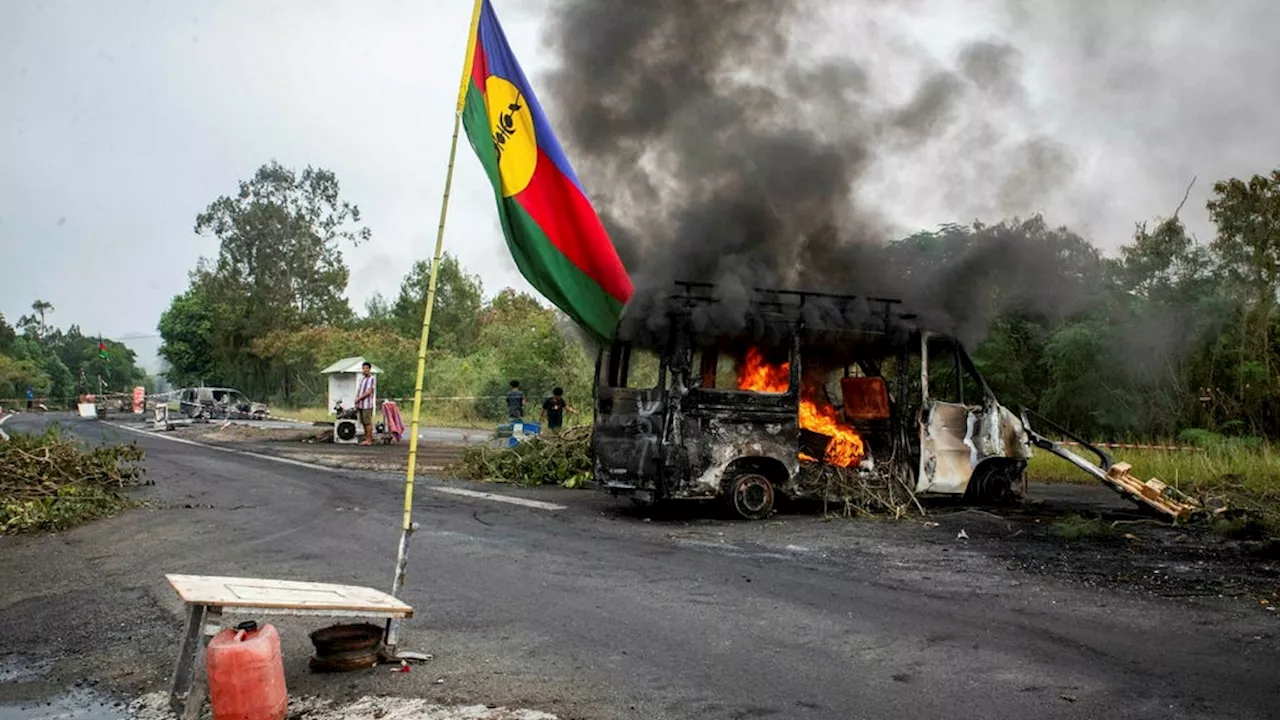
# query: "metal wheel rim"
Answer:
x=753 y=494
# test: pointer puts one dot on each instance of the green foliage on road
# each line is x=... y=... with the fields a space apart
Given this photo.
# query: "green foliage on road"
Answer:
x=1079 y=527
x=52 y=482
x=543 y=460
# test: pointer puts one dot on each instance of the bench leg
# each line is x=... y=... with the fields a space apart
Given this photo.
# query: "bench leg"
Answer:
x=199 y=677
x=190 y=682
x=180 y=688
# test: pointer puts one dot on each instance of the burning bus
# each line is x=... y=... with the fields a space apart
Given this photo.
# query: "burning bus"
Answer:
x=801 y=385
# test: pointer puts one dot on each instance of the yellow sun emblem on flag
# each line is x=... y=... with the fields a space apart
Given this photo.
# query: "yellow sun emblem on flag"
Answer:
x=515 y=141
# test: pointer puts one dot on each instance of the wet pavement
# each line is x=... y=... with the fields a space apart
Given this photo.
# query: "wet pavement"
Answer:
x=25 y=695
x=596 y=610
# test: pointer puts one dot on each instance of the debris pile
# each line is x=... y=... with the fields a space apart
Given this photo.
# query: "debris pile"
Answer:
x=853 y=492
x=51 y=482
x=542 y=460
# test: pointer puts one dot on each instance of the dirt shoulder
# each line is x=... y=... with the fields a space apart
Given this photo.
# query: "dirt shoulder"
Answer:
x=1081 y=535
x=314 y=445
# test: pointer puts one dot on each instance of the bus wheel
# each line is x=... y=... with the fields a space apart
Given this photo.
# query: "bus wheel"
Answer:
x=752 y=496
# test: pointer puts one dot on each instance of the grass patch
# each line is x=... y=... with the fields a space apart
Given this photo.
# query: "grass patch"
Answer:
x=51 y=482
x=1243 y=473
x=1078 y=527
x=1241 y=528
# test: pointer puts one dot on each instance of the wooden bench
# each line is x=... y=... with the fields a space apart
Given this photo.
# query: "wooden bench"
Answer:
x=208 y=598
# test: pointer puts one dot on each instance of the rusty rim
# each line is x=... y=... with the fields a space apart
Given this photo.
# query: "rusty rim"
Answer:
x=338 y=639
x=343 y=662
x=753 y=496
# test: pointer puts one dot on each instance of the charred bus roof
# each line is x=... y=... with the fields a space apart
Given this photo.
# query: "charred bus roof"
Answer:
x=707 y=314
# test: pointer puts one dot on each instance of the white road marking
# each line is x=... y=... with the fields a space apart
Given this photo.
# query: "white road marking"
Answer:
x=540 y=505
x=3 y=419
x=536 y=504
x=232 y=451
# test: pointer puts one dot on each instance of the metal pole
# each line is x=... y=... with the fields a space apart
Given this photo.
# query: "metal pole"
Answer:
x=407 y=526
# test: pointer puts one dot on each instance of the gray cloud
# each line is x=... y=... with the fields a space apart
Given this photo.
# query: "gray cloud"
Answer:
x=126 y=118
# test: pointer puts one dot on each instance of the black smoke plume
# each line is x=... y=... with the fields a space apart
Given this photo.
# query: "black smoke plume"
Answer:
x=730 y=142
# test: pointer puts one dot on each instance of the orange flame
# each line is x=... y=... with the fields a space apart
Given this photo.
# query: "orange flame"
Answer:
x=759 y=376
x=845 y=447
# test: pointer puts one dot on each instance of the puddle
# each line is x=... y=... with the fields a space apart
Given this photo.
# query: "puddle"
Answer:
x=17 y=671
x=75 y=704
x=19 y=668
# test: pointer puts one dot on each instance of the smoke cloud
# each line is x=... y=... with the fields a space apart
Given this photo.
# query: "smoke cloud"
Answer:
x=733 y=142
x=776 y=142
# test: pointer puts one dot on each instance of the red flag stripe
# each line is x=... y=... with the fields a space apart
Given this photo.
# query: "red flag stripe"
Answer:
x=569 y=221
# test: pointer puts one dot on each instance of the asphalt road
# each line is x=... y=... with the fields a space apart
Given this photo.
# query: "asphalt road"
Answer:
x=589 y=612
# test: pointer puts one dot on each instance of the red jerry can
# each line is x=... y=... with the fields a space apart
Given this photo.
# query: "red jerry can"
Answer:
x=246 y=674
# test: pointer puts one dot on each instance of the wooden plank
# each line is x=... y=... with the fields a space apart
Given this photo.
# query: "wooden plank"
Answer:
x=262 y=593
x=312 y=612
x=194 y=703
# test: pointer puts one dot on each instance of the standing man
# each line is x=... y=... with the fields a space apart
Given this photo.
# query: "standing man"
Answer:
x=365 y=393
x=31 y=399
x=553 y=410
x=515 y=402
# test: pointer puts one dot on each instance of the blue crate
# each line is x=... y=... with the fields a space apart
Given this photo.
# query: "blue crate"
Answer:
x=511 y=434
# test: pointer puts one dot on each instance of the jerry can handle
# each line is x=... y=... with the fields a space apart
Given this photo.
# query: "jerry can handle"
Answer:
x=245 y=628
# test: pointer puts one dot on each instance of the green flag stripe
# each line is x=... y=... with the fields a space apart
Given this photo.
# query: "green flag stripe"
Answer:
x=538 y=259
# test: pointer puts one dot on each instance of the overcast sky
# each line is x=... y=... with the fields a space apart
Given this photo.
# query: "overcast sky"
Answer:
x=120 y=120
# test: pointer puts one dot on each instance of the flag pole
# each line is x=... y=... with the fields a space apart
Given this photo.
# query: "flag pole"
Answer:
x=407 y=526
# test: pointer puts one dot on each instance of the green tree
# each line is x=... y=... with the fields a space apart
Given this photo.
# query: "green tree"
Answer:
x=534 y=344
x=377 y=312
x=1247 y=247
x=279 y=267
x=459 y=298
x=18 y=375
x=301 y=354
x=62 y=384
x=7 y=335
x=79 y=353
x=36 y=324
x=186 y=330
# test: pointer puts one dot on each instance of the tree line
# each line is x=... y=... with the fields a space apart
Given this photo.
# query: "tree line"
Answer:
x=1177 y=336
x=1167 y=334
x=59 y=365
x=270 y=310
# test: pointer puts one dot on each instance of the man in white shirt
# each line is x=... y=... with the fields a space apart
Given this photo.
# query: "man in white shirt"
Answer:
x=365 y=392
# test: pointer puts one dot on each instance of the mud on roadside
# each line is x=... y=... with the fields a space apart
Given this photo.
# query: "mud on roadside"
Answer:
x=1079 y=535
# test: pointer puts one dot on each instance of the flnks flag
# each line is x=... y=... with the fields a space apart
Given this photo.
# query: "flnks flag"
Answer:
x=555 y=236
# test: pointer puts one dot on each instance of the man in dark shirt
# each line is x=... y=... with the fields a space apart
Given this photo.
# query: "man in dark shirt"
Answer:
x=515 y=402
x=553 y=410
